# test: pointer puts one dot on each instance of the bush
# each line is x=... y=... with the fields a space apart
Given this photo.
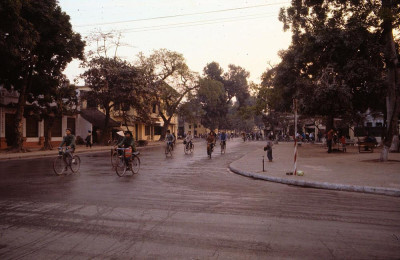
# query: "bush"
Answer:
x=142 y=143
x=79 y=140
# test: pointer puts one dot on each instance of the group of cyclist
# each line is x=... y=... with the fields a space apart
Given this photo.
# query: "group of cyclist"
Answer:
x=128 y=141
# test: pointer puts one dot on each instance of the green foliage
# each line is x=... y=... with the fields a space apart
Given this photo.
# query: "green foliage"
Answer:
x=115 y=83
x=340 y=35
x=212 y=99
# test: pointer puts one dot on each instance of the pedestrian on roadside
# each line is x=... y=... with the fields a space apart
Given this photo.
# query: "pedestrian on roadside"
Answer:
x=88 y=139
x=329 y=138
x=343 y=142
x=268 y=148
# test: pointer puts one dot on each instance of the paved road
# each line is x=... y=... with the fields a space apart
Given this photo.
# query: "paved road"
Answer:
x=186 y=207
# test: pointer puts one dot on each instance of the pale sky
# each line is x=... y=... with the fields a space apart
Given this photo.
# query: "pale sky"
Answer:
x=244 y=33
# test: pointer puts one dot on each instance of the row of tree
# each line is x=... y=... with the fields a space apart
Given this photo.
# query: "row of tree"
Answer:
x=163 y=79
x=37 y=42
x=343 y=59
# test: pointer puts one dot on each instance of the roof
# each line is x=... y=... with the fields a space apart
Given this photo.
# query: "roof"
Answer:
x=97 y=118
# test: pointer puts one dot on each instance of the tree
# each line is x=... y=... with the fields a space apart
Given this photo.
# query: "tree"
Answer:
x=115 y=84
x=169 y=81
x=212 y=99
x=354 y=38
x=36 y=41
x=236 y=85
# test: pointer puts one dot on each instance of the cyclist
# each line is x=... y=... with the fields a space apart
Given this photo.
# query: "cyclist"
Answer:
x=69 y=141
x=127 y=142
x=189 y=139
x=170 y=139
x=223 y=139
x=211 y=140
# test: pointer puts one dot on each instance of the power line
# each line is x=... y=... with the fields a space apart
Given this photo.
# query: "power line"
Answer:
x=196 y=23
x=180 y=15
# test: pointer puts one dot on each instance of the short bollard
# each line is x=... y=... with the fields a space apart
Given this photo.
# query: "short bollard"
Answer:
x=263 y=164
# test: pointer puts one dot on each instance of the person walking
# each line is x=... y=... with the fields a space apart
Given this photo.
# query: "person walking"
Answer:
x=268 y=148
x=329 y=138
x=88 y=139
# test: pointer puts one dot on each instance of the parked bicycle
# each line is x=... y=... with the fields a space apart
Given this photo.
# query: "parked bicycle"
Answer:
x=188 y=147
x=168 y=149
x=126 y=161
x=65 y=160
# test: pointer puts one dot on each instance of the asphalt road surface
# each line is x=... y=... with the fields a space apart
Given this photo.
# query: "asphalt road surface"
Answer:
x=184 y=207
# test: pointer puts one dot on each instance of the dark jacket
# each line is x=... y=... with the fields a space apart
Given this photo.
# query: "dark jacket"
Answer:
x=126 y=142
x=68 y=140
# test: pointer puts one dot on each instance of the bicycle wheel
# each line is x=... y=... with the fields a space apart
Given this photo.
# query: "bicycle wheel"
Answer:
x=135 y=164
x=120 y=168
x=186 y=148
x=114 y=158
x=222 y=148
x=75 y=164
x=168 y=151
x=59 y=165
x=192 y=148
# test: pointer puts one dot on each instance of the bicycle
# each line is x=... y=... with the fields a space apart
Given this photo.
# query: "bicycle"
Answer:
x=210 y=149
x=188 y=147
x=62 y=162
x=114 y=157
x=127 y=161
x=168 y=149
x=223 y=146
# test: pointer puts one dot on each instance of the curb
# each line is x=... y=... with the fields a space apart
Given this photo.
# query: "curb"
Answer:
x=33 y=156
x=321 y=185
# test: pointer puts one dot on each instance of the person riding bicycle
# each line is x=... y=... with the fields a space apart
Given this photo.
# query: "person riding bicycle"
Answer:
x=189 y=139
x=69 y=141
x=169 y=138
x=211 y=140
x=223 y=138
x=127 y=142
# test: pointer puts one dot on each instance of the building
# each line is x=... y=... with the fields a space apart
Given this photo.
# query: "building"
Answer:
x=33 y=127
x=125 y=120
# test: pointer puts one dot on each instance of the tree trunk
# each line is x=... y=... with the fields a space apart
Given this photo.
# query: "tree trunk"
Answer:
x=329 y=123
x=393 y=80
x=105 y=136
x=18 y=126
x=47 y=133
x=165 y=127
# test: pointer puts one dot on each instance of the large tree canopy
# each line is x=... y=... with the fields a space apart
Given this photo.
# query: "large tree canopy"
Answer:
x=116 y=84
x=169 y=81
x=342 y=58
x=36 y=44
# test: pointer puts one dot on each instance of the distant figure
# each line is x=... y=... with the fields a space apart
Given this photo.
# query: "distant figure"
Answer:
x=268 y=148
x=329 y=138
x=343 y=142
x=88 y=139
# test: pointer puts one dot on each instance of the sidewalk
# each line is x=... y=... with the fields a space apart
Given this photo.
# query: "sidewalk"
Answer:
x=350 y=171
x=35 y=153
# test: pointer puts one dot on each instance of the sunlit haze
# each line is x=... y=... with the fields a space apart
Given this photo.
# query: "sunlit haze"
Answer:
x=244 y=33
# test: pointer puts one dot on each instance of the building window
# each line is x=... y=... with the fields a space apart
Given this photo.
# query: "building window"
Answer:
x=71 y=124
x=379 y=124
x=195 y=125
x=154 y=108
x=157 y=130
x=147 y=130
x=369 y=124
x=190 y=126
x=32 y=127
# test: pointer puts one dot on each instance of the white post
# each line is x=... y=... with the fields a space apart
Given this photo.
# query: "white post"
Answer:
x=295 y=133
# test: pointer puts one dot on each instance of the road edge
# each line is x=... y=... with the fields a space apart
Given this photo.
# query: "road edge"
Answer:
x=319 y=185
